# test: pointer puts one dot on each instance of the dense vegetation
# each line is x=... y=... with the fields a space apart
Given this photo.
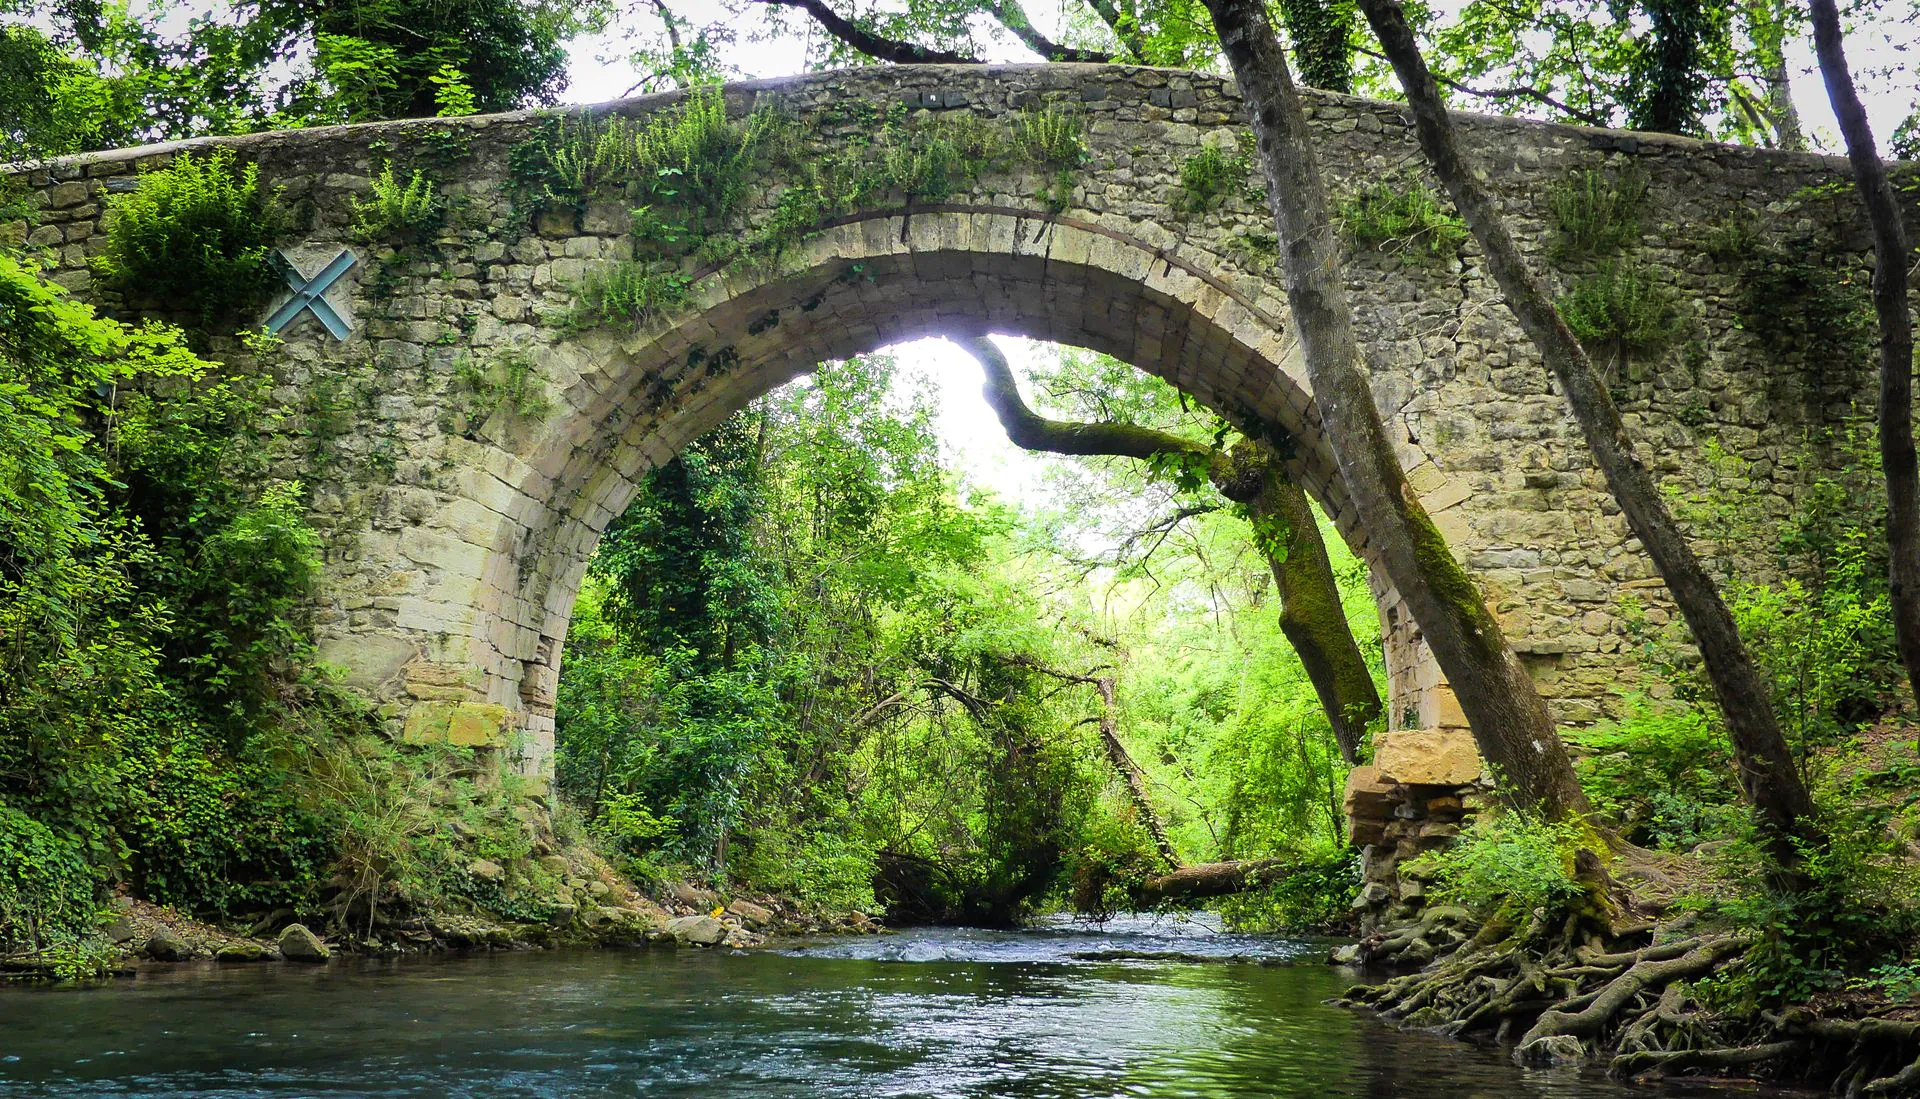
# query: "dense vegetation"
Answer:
x=808 y=660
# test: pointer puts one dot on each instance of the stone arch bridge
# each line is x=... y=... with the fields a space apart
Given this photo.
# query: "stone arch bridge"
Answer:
x=458 y=523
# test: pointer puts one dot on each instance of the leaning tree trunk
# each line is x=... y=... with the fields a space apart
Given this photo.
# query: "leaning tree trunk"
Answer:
x=1312 y=616
x=1510 y=720
x=1285 y=531
x=1892 y=252
x=1766 y=765
x=1136 y=778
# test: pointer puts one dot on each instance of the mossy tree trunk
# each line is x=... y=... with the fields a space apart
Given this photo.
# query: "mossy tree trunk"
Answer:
x=1765 y=762
x=1892 y=254
x=1510 y=720
x=1285 y=529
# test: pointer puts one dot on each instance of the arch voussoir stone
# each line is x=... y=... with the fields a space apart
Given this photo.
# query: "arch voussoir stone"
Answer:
x=457 y=532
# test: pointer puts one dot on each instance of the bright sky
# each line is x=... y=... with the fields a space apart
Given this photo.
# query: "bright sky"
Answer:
x=970 y=436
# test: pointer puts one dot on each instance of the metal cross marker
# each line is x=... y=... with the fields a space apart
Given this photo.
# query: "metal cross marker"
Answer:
x=307 y=295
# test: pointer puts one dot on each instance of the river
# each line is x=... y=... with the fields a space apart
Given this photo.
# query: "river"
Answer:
x=1060 y=1010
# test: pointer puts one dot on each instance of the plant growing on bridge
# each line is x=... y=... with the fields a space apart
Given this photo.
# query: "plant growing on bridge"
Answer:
x=204 y=228
x=1210 y=176
x=1622 y=308
x=1598 y=212
x=1400 y=216
x=508 y=381
x=690 y=168
x=398 y=210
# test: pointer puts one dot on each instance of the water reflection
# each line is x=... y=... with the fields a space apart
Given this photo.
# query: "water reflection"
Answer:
x=1024 y=1016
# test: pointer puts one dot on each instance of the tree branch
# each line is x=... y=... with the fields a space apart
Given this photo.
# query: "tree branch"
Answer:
x=869 y=43
x=1031 y=431
x=1519 y=92
x=1124 y=28
x=1013 y=17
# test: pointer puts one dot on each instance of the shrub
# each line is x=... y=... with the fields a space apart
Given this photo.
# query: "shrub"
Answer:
x=1598 y=212
x=1856 y=906
x=203 y=228
x=1507 y=865
x=1405 y=215
x=1663 y=777
x=1623 y=306
x=47 y=888
x=396 y=210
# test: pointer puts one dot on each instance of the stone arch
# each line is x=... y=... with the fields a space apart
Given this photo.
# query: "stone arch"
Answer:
x=865 y=283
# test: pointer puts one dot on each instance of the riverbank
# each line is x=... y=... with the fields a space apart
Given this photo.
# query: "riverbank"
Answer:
x=1635 y=981
x=608 y=910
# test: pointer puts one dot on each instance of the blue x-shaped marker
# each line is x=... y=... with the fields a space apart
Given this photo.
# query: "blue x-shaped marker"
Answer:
x=307 y=295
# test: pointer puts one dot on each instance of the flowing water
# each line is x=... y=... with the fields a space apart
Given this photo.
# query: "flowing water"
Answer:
x=1138 y=1007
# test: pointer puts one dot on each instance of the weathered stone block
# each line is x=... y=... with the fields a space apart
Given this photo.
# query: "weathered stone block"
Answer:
x=1428 y=757
x=479 y=725
x=427 y=722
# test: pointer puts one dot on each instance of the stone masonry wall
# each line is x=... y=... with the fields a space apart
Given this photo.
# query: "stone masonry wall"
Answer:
x=458 y=524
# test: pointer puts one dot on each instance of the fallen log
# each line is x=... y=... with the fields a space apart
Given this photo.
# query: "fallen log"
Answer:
x=1212 y=879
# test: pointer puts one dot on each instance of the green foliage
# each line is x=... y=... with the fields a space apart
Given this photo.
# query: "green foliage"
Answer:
x=1734 y=237
x=1211 y=176
x=788 y=669
x=1663 y=776
x=1402 y=215
x=154 y=609
x=453 y=95
x=1322 y=35
x=398 y=211
x=383 y=59
x=1507 y=866
x=690 y=158
x=1315 y=898
x=628 y=292
x=1623 y=307
x=201 y=227
x=1818 y=625
x=508 y=382
x=1597 y=212
x=407 y=824
x=685 y=172
x=47 y=886
x=1051 y=136
x=1800 y=302
x=1856 y=905
x=1899 y=983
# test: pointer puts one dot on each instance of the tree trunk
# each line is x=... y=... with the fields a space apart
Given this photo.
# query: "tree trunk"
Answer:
x=1766 y=28
x=1284 y=526
x=1311 y=613
x=1510 y=721
x=1122 y=761
x=1892 y=252
x=1212 y=879
x=1766 y=765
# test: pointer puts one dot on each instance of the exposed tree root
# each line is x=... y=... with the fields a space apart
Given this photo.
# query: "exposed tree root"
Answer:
x=1590 y=987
